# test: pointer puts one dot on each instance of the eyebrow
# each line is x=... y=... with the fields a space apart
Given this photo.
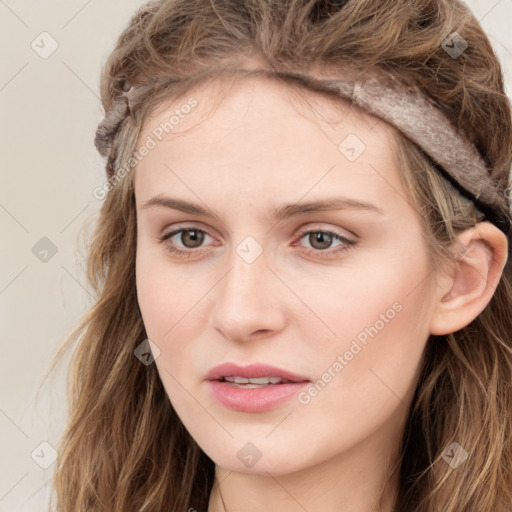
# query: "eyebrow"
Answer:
x=278 y=214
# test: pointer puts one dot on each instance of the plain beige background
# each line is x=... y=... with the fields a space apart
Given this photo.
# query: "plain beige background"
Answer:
x=52 y=53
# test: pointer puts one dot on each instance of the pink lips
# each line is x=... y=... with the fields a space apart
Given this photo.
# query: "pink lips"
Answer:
x=252 y=370
x=253 y=399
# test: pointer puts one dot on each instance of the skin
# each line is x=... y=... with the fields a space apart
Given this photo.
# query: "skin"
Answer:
x=296 y=306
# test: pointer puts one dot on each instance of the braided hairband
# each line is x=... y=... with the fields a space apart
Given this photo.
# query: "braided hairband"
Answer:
x=407 y=109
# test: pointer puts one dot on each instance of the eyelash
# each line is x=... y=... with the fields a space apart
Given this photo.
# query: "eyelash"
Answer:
x=345 y=246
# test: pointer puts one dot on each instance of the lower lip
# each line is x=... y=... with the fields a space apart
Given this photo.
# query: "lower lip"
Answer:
x=254 y=399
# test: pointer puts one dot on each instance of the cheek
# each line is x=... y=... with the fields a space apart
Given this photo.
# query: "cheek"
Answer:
x=166 y=301
x=379 y=318
x=162 y=290
x=350 y=299
x=173 y=306
x=155 y=305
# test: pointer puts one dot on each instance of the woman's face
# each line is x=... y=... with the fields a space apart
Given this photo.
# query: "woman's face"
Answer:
x=345 y=308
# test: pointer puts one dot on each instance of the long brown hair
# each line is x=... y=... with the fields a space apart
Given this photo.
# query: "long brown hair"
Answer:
x=124 y=448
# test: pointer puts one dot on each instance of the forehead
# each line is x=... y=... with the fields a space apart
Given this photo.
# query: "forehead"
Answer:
x=232 y=95
x=262 y=134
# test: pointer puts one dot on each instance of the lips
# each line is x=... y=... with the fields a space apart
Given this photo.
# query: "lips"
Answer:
x=254 y=388
x=257 y=370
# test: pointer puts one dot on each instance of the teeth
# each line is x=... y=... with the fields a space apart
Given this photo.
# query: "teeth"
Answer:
x=255 y=380
x=238 y=380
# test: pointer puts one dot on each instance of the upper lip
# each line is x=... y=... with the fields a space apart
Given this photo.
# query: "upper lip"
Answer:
x=252 y=370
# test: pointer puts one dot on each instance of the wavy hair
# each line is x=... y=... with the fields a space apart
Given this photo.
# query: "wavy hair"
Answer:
x=124 y=449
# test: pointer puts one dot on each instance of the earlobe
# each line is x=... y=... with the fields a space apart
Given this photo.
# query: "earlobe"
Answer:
x=471 y=278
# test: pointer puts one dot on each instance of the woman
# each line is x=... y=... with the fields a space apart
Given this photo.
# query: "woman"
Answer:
x=301 y=265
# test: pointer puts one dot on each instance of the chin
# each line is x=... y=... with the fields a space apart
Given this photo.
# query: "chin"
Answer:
x=256 y=458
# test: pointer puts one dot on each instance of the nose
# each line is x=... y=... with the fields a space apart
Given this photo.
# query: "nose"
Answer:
x=248 y=300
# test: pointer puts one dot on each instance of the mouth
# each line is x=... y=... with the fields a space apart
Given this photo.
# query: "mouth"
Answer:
x=257 y=374
x=253 y=388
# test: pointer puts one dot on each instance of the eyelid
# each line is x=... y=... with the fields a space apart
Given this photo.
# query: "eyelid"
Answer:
x=319 y=226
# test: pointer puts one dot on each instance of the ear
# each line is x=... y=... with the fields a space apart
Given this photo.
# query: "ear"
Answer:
x=469 y=281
